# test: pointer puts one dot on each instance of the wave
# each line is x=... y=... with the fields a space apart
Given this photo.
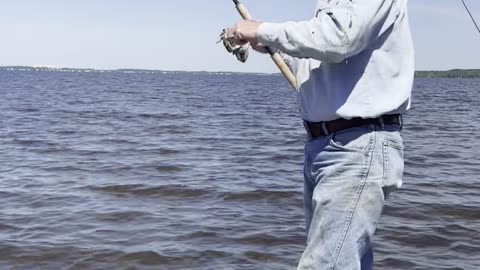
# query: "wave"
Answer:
x=262 y=195
x=167 y=191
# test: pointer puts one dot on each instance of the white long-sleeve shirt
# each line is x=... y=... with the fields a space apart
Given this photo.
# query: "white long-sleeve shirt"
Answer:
x=355 y=58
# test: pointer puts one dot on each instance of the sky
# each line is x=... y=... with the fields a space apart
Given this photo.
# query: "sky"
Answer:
x=182 y=34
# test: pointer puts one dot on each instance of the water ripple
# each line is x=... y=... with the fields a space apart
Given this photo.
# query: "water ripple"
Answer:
x=200 y=172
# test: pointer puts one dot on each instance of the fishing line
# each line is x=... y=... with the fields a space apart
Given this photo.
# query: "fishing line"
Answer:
x=471 y=16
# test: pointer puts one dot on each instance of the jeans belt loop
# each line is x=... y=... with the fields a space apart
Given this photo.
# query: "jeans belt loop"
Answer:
x=382 y=122
x=325 y=129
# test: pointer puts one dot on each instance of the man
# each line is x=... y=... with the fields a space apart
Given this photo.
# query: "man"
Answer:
x=354 y=64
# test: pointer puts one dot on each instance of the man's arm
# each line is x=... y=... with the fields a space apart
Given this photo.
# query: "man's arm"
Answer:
x=335 y=34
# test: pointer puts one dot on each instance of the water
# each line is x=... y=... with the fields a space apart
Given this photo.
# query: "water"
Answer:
x=150 y=171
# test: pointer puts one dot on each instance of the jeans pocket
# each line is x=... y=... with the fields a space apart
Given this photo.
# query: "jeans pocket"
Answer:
x=352 y=140
x=393 y=165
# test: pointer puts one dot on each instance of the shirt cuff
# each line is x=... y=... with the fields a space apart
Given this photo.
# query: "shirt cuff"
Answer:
x=268 y=33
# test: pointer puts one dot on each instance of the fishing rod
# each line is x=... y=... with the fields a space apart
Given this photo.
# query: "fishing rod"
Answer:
x=471 y=16
x=275 y=55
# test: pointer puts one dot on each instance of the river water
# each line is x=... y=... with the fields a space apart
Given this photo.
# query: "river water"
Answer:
x=200 y=172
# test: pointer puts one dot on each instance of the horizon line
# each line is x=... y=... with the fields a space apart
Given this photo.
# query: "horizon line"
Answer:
x=54 y=68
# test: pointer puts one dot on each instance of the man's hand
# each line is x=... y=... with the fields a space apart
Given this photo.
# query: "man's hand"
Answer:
x=245 y=32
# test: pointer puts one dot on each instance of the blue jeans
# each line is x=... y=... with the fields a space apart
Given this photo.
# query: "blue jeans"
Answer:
x=348 y=176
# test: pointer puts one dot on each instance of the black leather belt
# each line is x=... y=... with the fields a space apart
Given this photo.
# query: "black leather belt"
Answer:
x=329 y=127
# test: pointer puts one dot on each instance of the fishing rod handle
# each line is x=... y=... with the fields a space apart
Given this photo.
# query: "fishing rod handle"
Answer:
x=276 y=57
x=283 y=67
x=242 y=9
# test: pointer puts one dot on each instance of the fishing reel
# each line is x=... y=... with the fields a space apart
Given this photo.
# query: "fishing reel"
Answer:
x=240 y=51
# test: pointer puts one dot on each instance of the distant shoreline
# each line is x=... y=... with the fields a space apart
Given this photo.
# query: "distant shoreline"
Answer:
x=454 y=73
x=131 y=71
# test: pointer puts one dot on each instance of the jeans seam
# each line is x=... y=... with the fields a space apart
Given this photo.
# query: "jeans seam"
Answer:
x=307 y=167
x=354 y=203
x=385 y=162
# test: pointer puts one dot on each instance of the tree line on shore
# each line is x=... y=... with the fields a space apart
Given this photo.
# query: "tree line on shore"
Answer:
x=454 y=73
